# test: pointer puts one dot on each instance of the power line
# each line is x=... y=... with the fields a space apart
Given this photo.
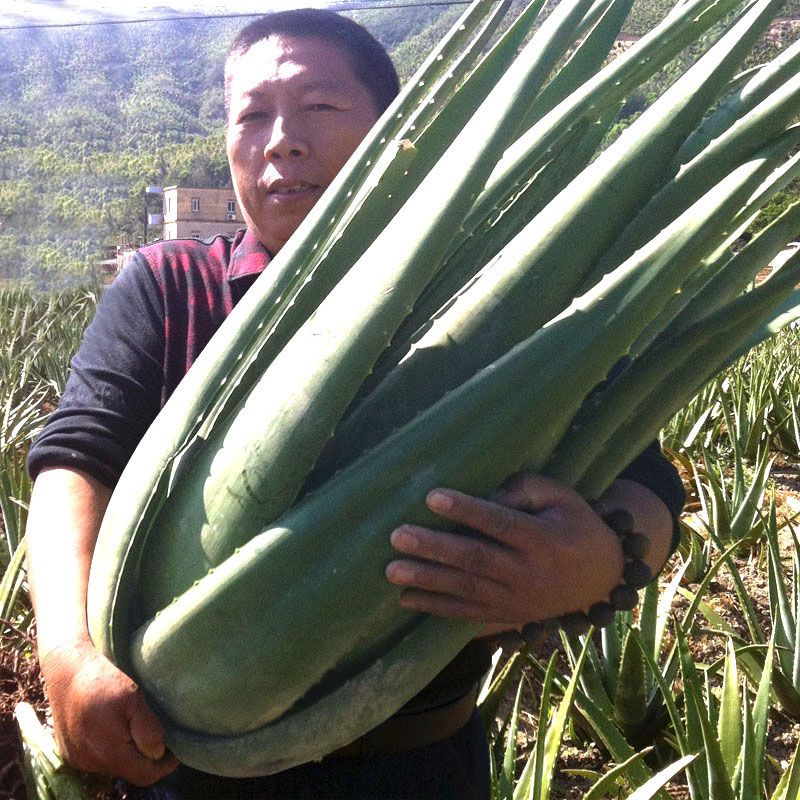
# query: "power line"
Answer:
x=358 y=6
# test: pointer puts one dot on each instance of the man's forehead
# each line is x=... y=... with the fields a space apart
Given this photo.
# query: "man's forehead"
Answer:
x=306 y=62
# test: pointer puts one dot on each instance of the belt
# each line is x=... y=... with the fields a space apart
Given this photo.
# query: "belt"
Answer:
x=412 y=730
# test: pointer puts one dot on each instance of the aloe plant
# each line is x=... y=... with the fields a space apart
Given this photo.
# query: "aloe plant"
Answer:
x=536 y=778
x=730 y=737
x=47 y=775
x=630 y=765
x=39 y=334
x=611 y=782
x=623 y=691
x=496 y=685
x=784 y=606
x=731 y=510
x=751 y=406
x=182 y=549
x=617 y=679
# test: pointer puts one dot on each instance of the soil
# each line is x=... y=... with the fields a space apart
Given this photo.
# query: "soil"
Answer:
x=20 y=678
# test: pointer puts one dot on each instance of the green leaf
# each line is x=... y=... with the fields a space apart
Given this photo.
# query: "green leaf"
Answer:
x=608 y=781
x=12 y=579
x=492 y=694
x=489 y=677
x=678 y=728
x=593 y=680
x=636 y=771
x=730 y=717
x=749 y=785
x=611 y=638
x=664 y=608
x=661 y=779
x=761 y=708
x=788 y=786
x=716 y=782
x=538 y=756
x=506 y=782
x=784 y=624
x=630 y=701
x=52 y=777
x=555 y=731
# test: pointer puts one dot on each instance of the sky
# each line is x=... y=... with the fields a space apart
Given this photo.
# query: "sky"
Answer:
x=14 y=13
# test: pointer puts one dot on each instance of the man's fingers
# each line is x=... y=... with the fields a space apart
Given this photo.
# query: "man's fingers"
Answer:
x=498 y=521
x=442 y=605
x=101 y=718
x=145 y=728
x=117 y=756
x=150 y=761
x=465 y=553
x=530 y=492
x=142 y=771
x=441 y=579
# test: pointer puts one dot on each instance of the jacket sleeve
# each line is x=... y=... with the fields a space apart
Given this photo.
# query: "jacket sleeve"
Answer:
x=114 y=389
x=653 y=470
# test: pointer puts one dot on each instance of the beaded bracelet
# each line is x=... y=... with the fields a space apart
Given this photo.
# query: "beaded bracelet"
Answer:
x=635 y=575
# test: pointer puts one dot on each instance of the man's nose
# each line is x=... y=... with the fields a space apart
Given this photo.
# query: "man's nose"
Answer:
x=286 y=141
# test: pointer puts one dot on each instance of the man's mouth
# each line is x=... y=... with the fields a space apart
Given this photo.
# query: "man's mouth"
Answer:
x=280 y=188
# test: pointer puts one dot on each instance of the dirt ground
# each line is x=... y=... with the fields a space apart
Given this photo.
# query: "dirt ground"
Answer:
x=20 y=679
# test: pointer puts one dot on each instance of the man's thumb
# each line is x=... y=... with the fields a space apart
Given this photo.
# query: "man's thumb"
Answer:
x=146 y=730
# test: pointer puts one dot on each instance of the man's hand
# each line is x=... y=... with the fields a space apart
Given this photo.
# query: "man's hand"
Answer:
x=544 y=553
x=102 y=722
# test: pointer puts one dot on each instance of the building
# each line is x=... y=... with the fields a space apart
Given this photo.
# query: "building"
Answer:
x=188 y=214
x=200 y=213
x=116 y=258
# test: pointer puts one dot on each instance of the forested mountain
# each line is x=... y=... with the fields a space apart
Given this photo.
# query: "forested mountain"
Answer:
x=91 y=115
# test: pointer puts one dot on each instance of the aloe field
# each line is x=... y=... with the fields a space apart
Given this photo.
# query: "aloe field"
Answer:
x=697 y=690
x=695 y=693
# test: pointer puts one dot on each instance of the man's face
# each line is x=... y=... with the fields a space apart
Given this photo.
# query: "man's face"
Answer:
x=297 y=113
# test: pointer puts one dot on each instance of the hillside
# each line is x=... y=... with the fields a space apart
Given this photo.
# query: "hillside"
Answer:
x=91 y=115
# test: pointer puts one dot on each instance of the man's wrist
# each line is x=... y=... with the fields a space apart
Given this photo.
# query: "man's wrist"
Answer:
x=67 y=649
x=650 y=516
x=635 y=575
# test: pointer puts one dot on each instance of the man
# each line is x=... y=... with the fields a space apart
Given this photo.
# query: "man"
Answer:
x=303 y=88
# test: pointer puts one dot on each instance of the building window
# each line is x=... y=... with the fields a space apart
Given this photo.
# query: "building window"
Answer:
x=231 y=206
x=195 y=234
x=169 y=204
x=195 y=204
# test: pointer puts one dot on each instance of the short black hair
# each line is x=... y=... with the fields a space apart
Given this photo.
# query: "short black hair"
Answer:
x=369 y=61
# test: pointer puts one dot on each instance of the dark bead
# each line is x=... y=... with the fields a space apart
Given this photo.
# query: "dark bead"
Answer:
x=602 y=614
x=532 y=633
x=551 y=624
x=635 y=545
x=620 y=520
x=598 y=506
x=575 y=624
x=624 y=597
x=510 y=640
x=637 y=574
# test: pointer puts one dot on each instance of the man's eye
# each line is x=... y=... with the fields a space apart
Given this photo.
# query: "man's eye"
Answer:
x=321 y=107
x=252 y=115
